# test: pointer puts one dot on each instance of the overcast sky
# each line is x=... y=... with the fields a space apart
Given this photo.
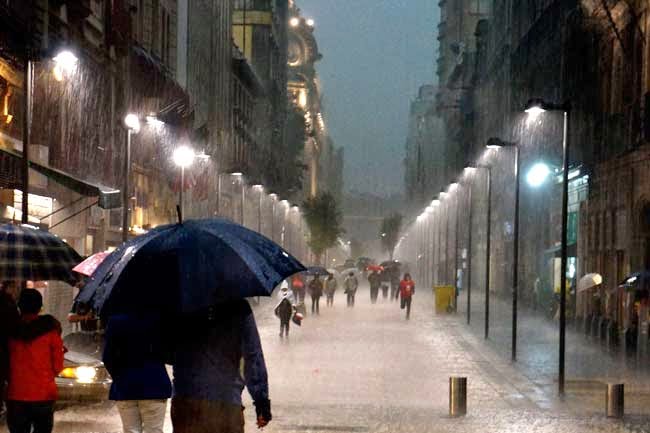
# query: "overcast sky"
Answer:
x=376 y=53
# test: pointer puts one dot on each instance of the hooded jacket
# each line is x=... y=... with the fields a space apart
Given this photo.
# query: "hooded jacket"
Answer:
x=35 y=359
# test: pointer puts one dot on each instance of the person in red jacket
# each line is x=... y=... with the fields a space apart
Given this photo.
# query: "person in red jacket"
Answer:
x=406 y=291
x=35 y=359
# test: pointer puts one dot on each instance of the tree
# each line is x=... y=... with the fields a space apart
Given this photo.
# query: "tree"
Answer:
x=324 y=220
x=389 y=232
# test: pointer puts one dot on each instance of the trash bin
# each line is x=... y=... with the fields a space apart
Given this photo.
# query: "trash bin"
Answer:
x=445 y=296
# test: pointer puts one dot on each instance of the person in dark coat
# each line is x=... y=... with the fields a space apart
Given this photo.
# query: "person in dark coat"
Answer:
x=35 y=359
x=285 y=310
x=316 y=291
x=8 y=321
x=208 y=382
x=134 y=355
x=375 y=281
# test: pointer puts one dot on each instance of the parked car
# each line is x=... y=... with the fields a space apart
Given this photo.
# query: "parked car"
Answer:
x=84 y=377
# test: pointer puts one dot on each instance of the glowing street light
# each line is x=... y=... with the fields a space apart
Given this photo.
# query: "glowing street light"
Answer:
x=132 y=122
x=538 y=174
x=310 y=22
x=65 y=62
x=294 y=22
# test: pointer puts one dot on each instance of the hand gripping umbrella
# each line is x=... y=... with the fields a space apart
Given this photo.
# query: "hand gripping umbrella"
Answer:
x=187 y=267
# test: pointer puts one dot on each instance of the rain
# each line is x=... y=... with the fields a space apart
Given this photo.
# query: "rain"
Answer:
x=324 y=216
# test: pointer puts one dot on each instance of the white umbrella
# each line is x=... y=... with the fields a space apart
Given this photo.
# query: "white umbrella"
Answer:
x=355 y=271
x=589 y=281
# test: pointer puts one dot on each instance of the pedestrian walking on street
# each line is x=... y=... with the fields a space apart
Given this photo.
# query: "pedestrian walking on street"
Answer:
x=210 y=347
x=375 y=281
x=285 y=310
x=9 y=319
x=298 y=289
x=315 y=291
x=330 y=288
x=134 y=355
x=35 y=359
x=351 y=284
x=407 y=290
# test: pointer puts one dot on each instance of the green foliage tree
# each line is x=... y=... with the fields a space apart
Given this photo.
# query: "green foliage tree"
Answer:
x=389 y=232
x=324 y=219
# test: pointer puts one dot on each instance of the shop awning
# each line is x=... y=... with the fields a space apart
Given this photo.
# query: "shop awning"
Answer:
x=108 y=198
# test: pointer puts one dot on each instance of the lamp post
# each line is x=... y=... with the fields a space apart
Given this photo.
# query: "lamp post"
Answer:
x=132 y=123
x=454 y=188
x=65 y=62
x=469 y=246
x=260 y=190
x=274 y=198
x=239 y=179
x=488 y=235
x=496 y=144
x=183 y=157
x=534 y=108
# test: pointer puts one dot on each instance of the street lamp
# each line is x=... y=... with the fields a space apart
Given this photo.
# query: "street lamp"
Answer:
x=538 y=174
x=260 y=190
x=132 y=123
x=65 y=60
x=238 y=176
x=496 y=144
x=183 y=157
x=469 y=171
x=536 y=107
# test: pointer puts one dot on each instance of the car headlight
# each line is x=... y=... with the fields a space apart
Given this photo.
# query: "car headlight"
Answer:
x=81 y=374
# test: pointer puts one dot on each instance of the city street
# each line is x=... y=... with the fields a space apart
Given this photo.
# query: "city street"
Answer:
x=369 y=370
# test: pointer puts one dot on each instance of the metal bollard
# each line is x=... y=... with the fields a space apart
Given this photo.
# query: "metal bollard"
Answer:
x=457 y=396
x=615 y=400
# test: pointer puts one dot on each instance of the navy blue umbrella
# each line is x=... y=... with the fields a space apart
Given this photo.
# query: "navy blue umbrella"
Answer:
x=317 y=270
x=188 y=267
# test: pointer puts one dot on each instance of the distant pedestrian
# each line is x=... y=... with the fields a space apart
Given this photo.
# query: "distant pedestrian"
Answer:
x=351 y=284
x=134 y=355
x=298 y=289
x=35 y=359
x=9 y=319
x=330 y=288
x=374 y=279
x=407 y=290
x=315 y=291
x=285 y=310
x=211 y=349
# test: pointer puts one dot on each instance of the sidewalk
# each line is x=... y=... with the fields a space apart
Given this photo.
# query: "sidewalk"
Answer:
x=589 y=364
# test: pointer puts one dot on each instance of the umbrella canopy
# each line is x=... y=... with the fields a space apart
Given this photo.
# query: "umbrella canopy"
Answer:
x=639 y=280
x=333 y=272
x=375 y=268
x=390 y=264
x=589 y=281
x=188 y=267
x=317 y=270
x=348 y=271
x=88 y=266
x=27 y=253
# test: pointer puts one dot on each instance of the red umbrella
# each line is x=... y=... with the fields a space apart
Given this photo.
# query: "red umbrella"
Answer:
x=375 y=268
x=88 y=266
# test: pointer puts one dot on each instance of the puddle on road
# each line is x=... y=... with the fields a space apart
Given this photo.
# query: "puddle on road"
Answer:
x=334 y=428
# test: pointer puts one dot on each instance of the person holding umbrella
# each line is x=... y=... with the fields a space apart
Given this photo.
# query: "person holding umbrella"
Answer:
x=316 y=291
x=197 y=274
x=330 y=288
x=134 y=355
x=9 y=318
x=374 y=279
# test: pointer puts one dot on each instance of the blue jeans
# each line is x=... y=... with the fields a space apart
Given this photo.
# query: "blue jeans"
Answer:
x=22 y=416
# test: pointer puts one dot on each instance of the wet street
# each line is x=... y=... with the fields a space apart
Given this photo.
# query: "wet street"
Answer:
x=368 y=370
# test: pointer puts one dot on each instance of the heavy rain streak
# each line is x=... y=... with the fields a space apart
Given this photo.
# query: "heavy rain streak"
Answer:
x=229 y=216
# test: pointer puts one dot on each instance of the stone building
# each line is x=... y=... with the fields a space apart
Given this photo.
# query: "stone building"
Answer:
x=594 y=55
x=320 y=158
x=425 y=163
